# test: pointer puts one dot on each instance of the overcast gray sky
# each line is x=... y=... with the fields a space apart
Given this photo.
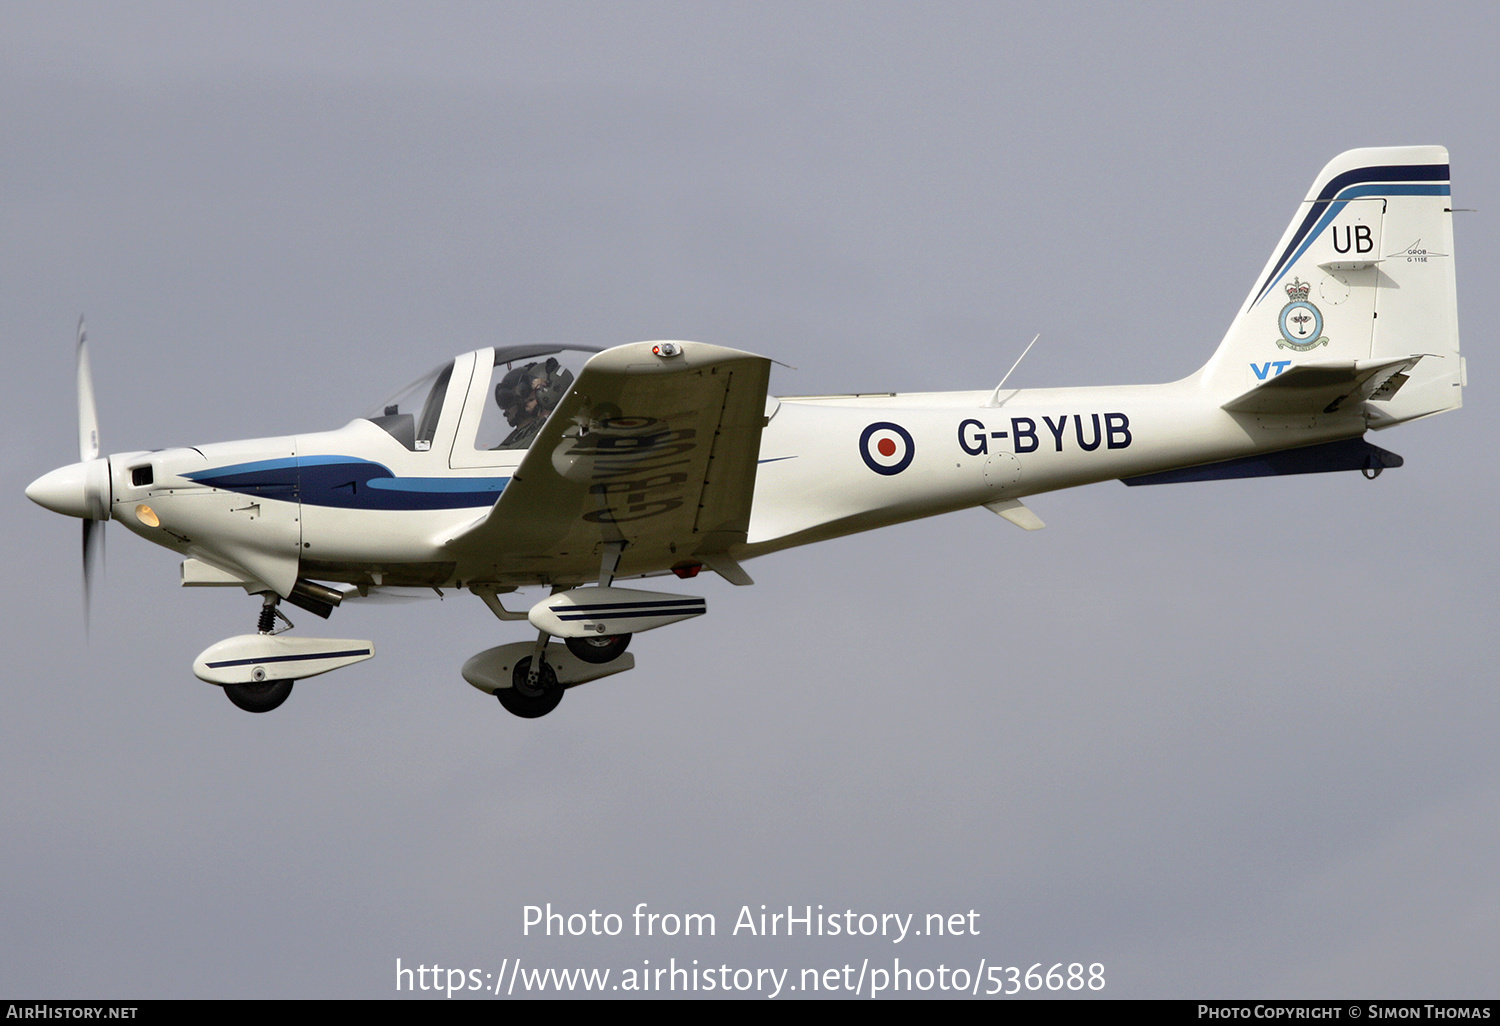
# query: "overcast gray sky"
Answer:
x=1234 y=739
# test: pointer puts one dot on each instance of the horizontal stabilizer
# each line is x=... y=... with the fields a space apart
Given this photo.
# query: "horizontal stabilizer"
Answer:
x=1324 y=387
x=1345 y=454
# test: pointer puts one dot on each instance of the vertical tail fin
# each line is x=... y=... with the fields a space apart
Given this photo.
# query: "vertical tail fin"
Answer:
x=1364 y=273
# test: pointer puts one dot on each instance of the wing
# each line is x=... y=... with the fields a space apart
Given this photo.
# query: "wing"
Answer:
x=658 y=452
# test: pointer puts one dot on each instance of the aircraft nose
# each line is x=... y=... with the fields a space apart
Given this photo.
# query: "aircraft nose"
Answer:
x=77 y=490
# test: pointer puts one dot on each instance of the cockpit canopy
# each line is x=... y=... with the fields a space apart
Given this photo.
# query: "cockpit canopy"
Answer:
x=523 y=386
x=411 y=415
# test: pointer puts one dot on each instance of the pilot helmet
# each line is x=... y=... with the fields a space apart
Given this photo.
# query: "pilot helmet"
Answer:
x=513 y=391
x=550 y=385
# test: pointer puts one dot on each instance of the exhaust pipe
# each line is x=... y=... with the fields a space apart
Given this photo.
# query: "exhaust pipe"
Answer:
x=315 y=598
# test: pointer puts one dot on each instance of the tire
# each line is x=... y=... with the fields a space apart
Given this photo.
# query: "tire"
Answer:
x=602 y=649
x=259 y=697
x=527 y=701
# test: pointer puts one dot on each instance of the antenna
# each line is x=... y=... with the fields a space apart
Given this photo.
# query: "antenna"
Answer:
x=995 y=398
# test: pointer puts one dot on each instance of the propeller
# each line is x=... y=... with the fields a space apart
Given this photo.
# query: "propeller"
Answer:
x=81 y=489
x=88 y=451
x=93 y=555
x=88 y=415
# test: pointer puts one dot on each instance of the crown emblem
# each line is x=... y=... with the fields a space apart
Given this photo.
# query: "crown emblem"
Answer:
x=1298 y=290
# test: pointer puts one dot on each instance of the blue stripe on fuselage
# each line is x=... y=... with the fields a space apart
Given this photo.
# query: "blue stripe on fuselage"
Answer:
x=347 y=482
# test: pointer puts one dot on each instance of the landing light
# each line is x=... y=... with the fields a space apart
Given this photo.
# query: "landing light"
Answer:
x=146 y=515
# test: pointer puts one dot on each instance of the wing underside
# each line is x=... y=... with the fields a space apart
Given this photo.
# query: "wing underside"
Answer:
x=657 y=453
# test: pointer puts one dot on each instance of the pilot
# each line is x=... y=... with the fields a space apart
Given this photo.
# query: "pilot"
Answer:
x=527 y=396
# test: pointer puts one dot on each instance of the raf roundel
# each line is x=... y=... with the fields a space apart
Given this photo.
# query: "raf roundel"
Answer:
x=886 y=448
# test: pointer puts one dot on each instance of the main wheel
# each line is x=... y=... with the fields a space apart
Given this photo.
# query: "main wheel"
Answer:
x=260 y=696
x=531 y=700
x=601 y=649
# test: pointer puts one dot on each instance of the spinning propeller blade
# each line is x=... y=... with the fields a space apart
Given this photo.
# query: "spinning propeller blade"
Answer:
x=88 y=415
x=93 y=554
x=88 y=450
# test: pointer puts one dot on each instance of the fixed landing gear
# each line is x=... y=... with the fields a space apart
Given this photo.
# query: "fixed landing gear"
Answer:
x=530 y=698
x=506 y=672
x=599 y=649
x=256 y=671
x=261 y=695
x=258 y=697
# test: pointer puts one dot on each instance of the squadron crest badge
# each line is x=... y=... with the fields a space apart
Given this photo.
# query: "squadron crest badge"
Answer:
x=1301 y=323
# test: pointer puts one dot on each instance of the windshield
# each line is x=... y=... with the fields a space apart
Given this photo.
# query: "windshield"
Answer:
x=411 y=415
